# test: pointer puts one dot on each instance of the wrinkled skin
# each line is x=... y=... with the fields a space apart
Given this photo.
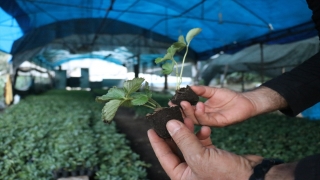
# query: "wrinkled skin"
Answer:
x=201 y=159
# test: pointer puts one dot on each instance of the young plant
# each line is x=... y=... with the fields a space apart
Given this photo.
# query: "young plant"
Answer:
x=182 y=43
x=130 y=95
x=126 y=96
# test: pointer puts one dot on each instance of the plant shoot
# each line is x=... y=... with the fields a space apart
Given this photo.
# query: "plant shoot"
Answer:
x=167 y=67
x=126 y=96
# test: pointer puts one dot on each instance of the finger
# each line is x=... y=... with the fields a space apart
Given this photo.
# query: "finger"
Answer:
x=200 y=114
x=254 y=159
x=185 y=139
x=204 y=136
x=174 y=148
x=171 y=104
x=204 y=91
x=204 y=133
x=168 y=160
x=189 y=111
x=189 y=123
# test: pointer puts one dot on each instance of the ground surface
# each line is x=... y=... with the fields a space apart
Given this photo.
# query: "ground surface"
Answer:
x=136 y=133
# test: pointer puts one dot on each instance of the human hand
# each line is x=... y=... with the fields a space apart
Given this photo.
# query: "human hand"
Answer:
x=222 y=107
x=201 y=159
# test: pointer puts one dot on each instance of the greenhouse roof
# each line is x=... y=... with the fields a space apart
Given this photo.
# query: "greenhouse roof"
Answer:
x=31 y=27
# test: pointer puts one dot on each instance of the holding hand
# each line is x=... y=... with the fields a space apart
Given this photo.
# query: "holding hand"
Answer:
x=224 y=107
x=201 y=159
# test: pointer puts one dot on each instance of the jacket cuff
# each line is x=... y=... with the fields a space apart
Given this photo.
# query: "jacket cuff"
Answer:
x=308 y=168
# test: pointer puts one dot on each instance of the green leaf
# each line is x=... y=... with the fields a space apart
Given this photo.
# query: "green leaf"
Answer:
x=158 y=60
x=167 y=68
x=113 y=93
x=102 y=99
x=139 y=99
x=171 y=51
x=179 y=46
x=133 y=85
x=109 y=110
x=193 y=32
x=181 y=39
x=166 y=57
x=126 y=103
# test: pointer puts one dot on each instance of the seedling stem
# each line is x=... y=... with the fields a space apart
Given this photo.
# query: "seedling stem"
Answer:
x=182 y=43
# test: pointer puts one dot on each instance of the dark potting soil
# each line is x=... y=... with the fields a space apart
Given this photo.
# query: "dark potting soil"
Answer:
x=135 y=130
x=185 y=94
x=159 y=119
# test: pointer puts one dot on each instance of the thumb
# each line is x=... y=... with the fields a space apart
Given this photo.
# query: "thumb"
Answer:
x=186 y=140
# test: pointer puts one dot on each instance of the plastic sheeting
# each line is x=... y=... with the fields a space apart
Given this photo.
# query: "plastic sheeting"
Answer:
x=276 y=59
x=149 y=26
x=9 y=31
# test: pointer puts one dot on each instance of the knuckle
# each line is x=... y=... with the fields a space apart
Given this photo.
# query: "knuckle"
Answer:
x=195 y=159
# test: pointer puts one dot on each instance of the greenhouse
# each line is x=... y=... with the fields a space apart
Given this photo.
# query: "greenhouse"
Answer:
x=81 y=80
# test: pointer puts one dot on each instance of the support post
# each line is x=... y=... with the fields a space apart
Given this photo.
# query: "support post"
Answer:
x=165 y=83
x=136 y=67
x=224 y=75
x=242 y=81
x=262 y=63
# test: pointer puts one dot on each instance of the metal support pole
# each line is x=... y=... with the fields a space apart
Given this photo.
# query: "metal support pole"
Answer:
x=262 y=63
x=165 y=83
x=136 y=67
x=224 y=75
x=242 y=81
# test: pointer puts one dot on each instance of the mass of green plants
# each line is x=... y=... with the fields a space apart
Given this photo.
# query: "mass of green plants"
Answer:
x=61 y=131
x=271 y=135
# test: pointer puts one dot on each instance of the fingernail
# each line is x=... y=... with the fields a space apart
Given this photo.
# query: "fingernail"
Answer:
x=173 y=127
x=182 y=106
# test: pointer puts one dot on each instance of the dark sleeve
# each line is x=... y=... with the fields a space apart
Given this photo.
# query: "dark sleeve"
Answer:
x=300 y=87
x=308 y=168
x=314 y=5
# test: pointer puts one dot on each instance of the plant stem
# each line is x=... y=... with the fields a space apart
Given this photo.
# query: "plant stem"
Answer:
x=148 y=106
x=151 y=104
x=154 y=102
x=177 y=73
x=182 y=65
